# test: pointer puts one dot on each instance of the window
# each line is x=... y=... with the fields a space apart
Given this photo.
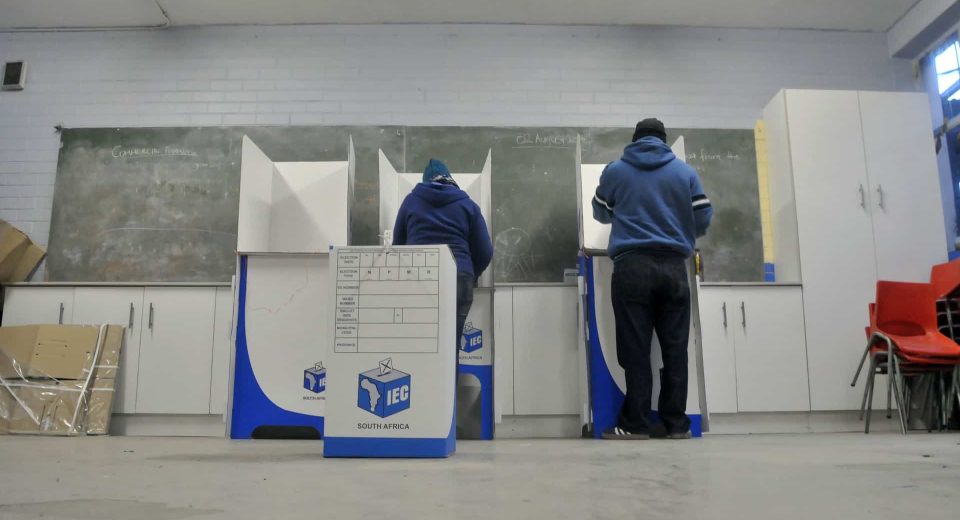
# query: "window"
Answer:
x=947 y=63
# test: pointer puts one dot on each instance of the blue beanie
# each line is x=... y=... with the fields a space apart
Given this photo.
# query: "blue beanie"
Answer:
x=435 y=169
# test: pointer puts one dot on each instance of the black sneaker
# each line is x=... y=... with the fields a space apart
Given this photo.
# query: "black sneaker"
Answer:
x=618 y=433
x=660 y=432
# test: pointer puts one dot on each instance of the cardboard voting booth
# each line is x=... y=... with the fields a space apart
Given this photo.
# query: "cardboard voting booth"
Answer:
x=475 y=409
x=291 y=214
x=391 y=352
x=603 y=384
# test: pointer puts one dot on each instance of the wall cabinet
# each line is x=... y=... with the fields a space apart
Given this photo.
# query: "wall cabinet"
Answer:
x=855 y=196
x=175 y=358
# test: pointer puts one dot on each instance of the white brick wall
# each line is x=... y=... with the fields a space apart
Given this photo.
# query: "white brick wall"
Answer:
x=412 y=75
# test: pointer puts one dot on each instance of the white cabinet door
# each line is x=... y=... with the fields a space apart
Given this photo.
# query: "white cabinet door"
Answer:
x=176 y=349
x=37 y=305
x=771 y=349
x=120 y=306
x=836 y=238
x=545 y=351
x=905 y=184
x=222 y=334
x=719 y=355
x=503 y=357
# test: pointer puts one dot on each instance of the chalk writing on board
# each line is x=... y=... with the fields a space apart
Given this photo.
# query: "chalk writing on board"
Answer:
x=538 y=140
x=145 y=152
x=705 y=156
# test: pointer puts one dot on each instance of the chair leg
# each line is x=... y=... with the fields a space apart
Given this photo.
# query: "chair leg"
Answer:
x=889 y=391
x=869 y=400
x=866 y=390
x=943 y=401
x=863 y=358
x=897 y=391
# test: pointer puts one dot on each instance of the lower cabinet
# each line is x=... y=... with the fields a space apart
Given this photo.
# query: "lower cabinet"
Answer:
x=30 y=305
x=176 y=352
x=123 y=306
x=754 y=349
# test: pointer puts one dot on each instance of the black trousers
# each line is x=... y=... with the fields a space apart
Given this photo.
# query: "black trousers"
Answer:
x=651 y=293
x=465 y=283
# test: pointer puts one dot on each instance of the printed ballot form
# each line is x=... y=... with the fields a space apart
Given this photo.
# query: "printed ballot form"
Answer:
x=391 y=363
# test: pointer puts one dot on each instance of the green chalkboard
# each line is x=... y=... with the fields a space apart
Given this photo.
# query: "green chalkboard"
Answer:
x=726 y=162
x=160 y=204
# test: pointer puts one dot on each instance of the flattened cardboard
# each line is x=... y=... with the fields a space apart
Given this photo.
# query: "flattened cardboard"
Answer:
x=19 y=256
x=48 y=351
x=59 y=407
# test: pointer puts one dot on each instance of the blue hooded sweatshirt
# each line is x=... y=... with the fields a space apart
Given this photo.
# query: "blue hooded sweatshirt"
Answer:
x=653 y=200
x=442 y=213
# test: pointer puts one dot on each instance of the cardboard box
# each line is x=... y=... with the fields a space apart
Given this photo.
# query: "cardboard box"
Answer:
x=19 y=256
x=39 y=404
x=48 y=351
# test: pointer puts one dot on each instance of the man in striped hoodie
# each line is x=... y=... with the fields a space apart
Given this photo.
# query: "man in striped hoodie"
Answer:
x=657 y=209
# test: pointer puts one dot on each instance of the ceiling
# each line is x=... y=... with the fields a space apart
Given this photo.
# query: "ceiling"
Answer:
x=847 y=15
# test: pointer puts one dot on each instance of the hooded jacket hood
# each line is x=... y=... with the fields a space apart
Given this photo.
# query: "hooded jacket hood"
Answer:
x=438 y=195
x=648 y=153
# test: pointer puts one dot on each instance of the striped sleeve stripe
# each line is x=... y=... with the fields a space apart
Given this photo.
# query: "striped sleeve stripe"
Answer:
x=700 y=202
x=603 y=202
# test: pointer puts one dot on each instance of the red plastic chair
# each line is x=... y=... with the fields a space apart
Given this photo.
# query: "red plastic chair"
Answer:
x=945 y=278
x=903 y=337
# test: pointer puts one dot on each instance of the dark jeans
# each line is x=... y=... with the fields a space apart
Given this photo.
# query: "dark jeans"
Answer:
x=651 y=293
x=465 y=283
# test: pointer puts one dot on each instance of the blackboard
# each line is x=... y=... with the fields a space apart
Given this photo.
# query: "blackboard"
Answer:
x=160 y=204
x=726 y=162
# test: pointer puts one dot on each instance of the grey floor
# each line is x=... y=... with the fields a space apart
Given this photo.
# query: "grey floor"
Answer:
x=812 y=476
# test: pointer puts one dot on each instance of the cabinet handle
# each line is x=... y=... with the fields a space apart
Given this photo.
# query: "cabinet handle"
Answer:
x=130 y=320
x=150 y=320
x=60 y=319
x=724 y=314
x=880 y=196
x=863 y=198
x=743 y=315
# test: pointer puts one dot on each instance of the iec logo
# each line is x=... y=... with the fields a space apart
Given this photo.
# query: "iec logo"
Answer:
x=315 y=378
x=384 y=391
x=472 y=338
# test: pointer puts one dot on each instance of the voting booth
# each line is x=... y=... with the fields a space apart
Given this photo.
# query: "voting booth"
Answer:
x=475 y=407
x=291 y=214
x=391 y=315
x=603 y=381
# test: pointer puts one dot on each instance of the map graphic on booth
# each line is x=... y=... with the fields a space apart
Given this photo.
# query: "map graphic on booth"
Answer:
x=384 y=391
x=472 y=339
x=315 y=378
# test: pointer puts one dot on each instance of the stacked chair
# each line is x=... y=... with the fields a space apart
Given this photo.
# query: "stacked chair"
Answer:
x=910 y=334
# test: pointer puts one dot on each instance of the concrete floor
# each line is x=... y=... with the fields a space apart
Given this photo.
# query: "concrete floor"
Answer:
x=831 y=476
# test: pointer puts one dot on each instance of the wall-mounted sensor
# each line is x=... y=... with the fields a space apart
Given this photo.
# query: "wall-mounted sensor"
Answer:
x=14 y=75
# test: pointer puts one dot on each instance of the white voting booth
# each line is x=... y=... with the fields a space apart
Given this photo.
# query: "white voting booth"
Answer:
x=290 y=216
x=475 y=383
x=391 y=315
x=605 y=384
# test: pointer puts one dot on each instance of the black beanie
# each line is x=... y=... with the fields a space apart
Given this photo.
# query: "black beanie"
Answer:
x=650 y=127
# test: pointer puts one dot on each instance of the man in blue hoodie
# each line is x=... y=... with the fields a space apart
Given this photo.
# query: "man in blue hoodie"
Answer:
x=437 y=211
x=658 y=209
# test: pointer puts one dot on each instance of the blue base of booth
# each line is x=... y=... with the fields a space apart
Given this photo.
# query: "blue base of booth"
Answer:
x=606 y=399
x=251 y=407
x=361 y=447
